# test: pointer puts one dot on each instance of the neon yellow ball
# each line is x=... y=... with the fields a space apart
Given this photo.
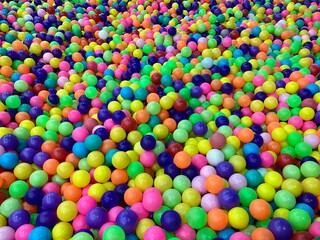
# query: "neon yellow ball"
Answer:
x=80 y=178
x=65 y=169
x=117 y=134
x=62 y=230
x=238 y=218
x=266 y=191
x=274 y=178
x=143 y=181
x=120 y=160
x=306 y=113
x=279 y=134
x=191 y=196
x=96 y=191
x=95 y=159
x=67 y=211
x=163 y=182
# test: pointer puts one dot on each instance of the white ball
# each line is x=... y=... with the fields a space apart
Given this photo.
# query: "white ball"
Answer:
x=103 y=34
x=215 y=156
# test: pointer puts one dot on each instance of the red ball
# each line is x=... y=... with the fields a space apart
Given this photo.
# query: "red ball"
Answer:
x=173 y=148
x=309 y=102
x=180 y=105
x=60 y=154
x=129 y=124
x=217 y=140
x=284 y=160
x=314 y=69
x=38 y=88
x=156 y=78
x=152 y=88
x=302 y=236
x=90 y=123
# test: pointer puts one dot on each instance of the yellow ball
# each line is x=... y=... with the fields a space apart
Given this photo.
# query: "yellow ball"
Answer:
x=191 y=196
x=161 y=131
x=120 y=160
x=62 y=230
x=279 y=134
x=3 y=221
x=238 y=162
x=182 y=209
x=166 y=102
x=65 y=169
x=67 y=211
x=292 y=87
x=143 y=181
x=266 y=191
x=80 y=178
x=117 y=134
x=23 y=171
x=134 y=137
x=238 y=218
x=274 y=178
x=306 y=113
x=95 y=159
x=270 y=103
x=311 y=185
x=281 y=213
x=102 y=174
x=96 y=191
x=292 y=186
x=163 y=182
x=204 y=146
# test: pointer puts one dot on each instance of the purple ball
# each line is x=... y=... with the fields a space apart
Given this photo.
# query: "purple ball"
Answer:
x=280 y=228
x=127 y=220
x=200 y=128
x=27 y=155
x=228 y=198
x=170 y=220
x=35 y=142
x=47 y=219
x=19 y=218
x=40 y=157
x=9 y=141
x=51 y=201
x=225 y=169
x=96 y=217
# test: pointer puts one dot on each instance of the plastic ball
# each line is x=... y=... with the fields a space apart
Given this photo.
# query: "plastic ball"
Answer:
x=113 y=233
x=40 y=233
x=196 y=217
x=170 y=220
x=127 y=220
x=280 y=228
x=299 y=219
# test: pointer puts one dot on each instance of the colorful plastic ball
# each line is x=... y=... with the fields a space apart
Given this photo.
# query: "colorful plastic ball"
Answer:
x=154 y=233
x=260 y=209
x=299 y=219
x=284 y=199
x=228 y=198
x=96 y=217
x=215 y=157
x=217 y=219
x=19 y=218
x=148 y=142
x=9 y=205
x=280 y=228
x=23 y=231
x=314 y=229
x=196 y=217
x=152 y=199
x=170 y=220
x=238 y=218
x=40 y=233
x=18 y=189
x=114 y=233
x=7 y=232
x=67 y=211
x=127 y=220
x=9 y=160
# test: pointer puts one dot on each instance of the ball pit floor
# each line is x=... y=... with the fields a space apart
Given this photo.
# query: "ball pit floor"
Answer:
x=154 y=120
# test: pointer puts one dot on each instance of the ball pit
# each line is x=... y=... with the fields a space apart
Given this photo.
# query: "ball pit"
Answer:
x=159 y=119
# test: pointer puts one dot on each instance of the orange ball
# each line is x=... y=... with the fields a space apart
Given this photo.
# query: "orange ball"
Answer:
x=217 y=219
x=50 y=166
x=246 y=135
x=119 y=176
x=132 y=195
x=142 y=116
x=8 y=178
x=182 y=160
x=262 y=234
x=244 y=100
x=72 y=193
x=214 y=184
x=260 y=209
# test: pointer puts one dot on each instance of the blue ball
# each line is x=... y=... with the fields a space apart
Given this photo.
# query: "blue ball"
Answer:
x=250 y=148
x=18 y=218
x=47 y=219
x=228 y=198
x=79 y=149
x=96 y=217
x=254 y=178
x=110 y=199
x=225 y=233
x=126 y=93
x=280 y=228
x=148 y=142
x=127 y=220
x=40 y=233
x=170 y=220
x=93 y=142
x=9 y=160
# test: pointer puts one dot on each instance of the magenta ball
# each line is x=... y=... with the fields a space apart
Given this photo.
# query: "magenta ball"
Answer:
x=154 y=233
x=152 y=199
x=23 y=231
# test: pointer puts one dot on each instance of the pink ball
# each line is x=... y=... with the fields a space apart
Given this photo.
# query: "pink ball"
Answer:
x=227 y=42
x=85 y=204
x=7 y=233
x=74 y=116
x=257 y=81
x=64 y=66
x=152 y=199
x=206 y=171
x=237 y=181
x=154 y=233
x=23 y=231
x=206 y=88
x=258 y=118
x=114 y=212
x=148 y=159
x=198 y=183
x=47 y=57
x=296 y=121
x=185 y=232
x=217 y=140
x=267 y=159
x=80 y=223
x=209 y=201
x=80 y=134
x=309 y=125
x=51 y=187
x=109 y=124
x=139 y=210
x=239 y=236
x=266 y=137
x=36 y=101
x=314 y=229
x=4 y=117
x=199 y=161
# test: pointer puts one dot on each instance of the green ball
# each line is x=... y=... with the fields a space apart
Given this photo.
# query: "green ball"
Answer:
x=82 y=236
x=9 y=206
x=216 y=100
x=185 y=125
x=284 y=114
x=18 y=189
x=38 y=178
x=294 y=138
x=186 y=52
x=310 y=169
x=197 y=217
x=13 y=101
x=181 y=183
x=153 y=108
x=21 y=86
x=42 y=120
x=291 y=171
x=171 y=198
x=180 y=135
x=114 y=233
x=303 y=149
x=247 y=195
x=294 y=101
x=134 y=169
x=66 y=100
x=91 y=92
x=285 y=199
x=299 y=219
x=65 y=128
x=206 y=234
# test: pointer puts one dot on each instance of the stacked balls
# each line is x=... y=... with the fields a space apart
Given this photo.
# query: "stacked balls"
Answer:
x=159 y=120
